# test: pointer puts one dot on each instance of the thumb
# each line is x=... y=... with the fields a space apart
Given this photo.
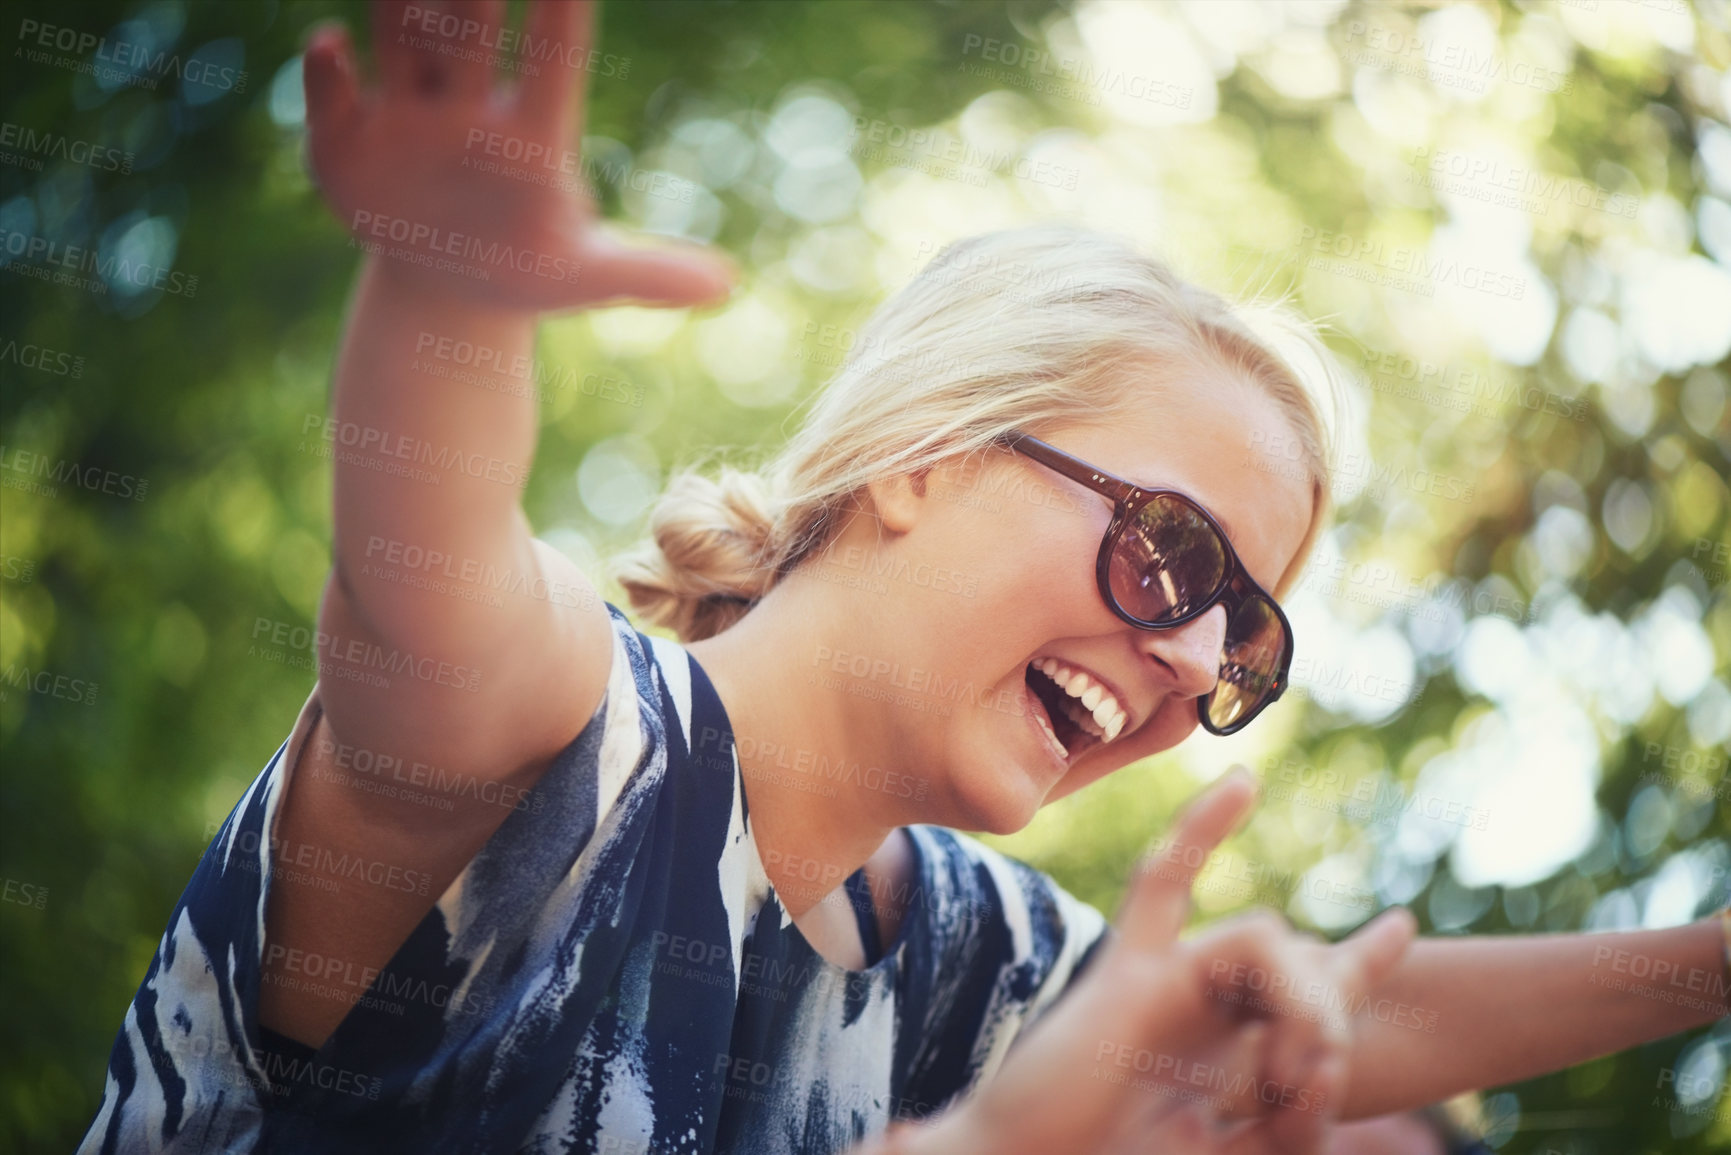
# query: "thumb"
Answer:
x=1376 y=947
x=1158 y=902
x=664 y=274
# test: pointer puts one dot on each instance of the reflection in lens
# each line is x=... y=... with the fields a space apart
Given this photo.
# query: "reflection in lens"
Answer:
x=1167 y=561
x=1249 y=664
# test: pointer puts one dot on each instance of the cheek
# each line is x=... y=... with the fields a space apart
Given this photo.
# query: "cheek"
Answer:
x=1025 y=557
x=1044 y=562
x=1176 y=721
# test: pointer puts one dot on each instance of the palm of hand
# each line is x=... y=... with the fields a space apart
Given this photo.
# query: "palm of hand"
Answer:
x=426 y=163
x=418 y=169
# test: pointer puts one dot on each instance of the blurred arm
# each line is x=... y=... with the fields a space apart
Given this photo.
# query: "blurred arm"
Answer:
x=1467 y=1013
x=539 y=662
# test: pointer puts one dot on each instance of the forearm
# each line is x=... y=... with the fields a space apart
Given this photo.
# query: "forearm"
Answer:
x=1466 y=1013
x=430 y=452
x=437 y=585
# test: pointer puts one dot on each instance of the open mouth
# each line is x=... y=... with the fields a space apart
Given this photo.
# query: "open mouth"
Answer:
x=1080 y=713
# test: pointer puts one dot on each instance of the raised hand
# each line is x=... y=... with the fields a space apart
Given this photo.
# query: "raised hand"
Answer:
x=1152 y=1049
x=418 y=166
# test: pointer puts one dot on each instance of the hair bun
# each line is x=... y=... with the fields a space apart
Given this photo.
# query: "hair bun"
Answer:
x=707 y=560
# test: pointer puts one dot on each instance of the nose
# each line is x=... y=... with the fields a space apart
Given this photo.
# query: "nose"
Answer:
x=1191 y=652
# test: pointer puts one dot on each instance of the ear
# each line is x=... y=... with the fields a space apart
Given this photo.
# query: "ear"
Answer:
x=899 y=499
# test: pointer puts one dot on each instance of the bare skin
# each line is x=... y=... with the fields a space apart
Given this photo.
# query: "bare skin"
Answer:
x=998 y=771
x=1386 y=1135
x=389 y=159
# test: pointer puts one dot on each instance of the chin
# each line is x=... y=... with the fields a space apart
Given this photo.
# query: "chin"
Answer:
x=995 y=800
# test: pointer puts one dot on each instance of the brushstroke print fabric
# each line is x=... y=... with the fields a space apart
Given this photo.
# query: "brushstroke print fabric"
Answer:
x=613 y=972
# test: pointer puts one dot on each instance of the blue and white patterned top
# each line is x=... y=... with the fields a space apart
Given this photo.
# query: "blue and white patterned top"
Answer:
x=611 y=973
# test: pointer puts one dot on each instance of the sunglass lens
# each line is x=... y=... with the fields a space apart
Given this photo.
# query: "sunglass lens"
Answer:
x=1250 y=666
x=1167 y=561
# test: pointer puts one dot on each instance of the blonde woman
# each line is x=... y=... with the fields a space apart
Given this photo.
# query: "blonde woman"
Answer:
x=523 y=878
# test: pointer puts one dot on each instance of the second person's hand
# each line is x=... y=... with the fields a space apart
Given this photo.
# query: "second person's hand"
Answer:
x=1148 y=1051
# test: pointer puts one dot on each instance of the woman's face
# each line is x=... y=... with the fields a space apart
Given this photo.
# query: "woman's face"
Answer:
x=1007 y=549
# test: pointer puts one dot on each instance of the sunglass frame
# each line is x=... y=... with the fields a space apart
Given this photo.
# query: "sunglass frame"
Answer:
x=1235 y=589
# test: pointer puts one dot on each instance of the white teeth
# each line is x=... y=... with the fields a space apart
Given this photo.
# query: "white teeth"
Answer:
x=1100 y=713
x=1048 y=729
x=1083 y=719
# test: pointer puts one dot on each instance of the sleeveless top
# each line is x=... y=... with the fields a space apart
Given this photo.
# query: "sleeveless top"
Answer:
x=612 y=972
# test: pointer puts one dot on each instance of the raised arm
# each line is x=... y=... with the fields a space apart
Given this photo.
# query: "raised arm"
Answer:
x=435 y=376
x=449 y=636
x=1466 y=1013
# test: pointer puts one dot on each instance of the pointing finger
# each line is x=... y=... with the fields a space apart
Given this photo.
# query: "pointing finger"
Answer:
x=1159 y=898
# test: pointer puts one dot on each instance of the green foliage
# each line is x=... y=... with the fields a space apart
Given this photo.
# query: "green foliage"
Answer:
x=1582 y=582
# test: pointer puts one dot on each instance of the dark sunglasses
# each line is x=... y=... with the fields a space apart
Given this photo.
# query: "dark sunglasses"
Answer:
x=1165 y=561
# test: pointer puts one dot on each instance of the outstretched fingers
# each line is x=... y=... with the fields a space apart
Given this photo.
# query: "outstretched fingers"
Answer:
x=1158 y=902
x=393 y=55
x=555 y=53
x=437 y=51
x=463 y=35
x=332 y=86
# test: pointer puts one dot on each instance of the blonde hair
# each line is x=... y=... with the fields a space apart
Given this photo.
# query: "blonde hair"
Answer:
x=1022 y=328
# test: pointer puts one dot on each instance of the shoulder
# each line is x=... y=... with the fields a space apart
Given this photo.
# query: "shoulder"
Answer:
x=604 y=784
